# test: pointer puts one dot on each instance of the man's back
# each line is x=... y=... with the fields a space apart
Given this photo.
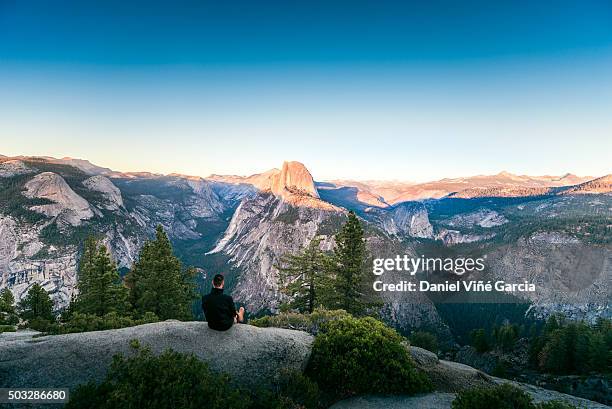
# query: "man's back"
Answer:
x=219 y=310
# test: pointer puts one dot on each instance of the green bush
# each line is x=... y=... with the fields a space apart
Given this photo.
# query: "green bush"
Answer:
x=88 y=322
x=503 y=396
x=174 y=380
x=298 y=389
x=42 y=325
x=7 y=328
x=358 y=356
x=8 y=319
x=170 y=380
x=425 y=340
x=310 y=323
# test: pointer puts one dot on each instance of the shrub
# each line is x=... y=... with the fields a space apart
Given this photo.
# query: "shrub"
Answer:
x=425 y=340
x=7 y=328
x=298 y=389
x=310 y=323
x=504 y=396
x=170 y=380
x=87 y=322
x=8 y=319
x=42 y=325
x=357 y=356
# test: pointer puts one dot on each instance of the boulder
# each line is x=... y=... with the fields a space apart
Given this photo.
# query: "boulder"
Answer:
x=250 y=355
x=448 y=376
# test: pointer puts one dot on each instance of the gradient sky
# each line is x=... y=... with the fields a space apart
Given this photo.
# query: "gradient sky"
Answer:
x=354 y=89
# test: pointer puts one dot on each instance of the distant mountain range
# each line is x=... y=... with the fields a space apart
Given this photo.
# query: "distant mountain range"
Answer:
x=551 y=230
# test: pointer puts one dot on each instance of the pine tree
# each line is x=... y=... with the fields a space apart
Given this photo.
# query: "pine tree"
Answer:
x=479 y=340
x=36 y=305
x=7 y=301
x=158 y=283
x=7 y=308
x=554 y=356
x=101 y=290
x=87 y=264
x=303 y=277
x=348 y=265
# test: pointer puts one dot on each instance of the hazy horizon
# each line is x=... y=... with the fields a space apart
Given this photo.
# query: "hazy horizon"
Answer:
x=356 y=91
x=317 y=179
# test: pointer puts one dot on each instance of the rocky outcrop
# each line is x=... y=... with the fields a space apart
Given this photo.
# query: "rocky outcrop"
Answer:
x=261 y=231
x=66 y=205
x=449 y=378
x=406 y=219
x=484 y=218
x=25 y=260
x=13 y=167
x=452 y=237
x=111 y=194
x=251 y=356
x=293 y=178
x=293 y=183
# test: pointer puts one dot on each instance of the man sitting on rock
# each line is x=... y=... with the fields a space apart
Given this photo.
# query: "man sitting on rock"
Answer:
x=219 y=308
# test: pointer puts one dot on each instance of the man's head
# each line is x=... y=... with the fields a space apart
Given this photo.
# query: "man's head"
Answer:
x=218 y=281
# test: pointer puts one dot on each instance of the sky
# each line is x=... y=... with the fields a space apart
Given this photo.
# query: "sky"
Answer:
x=353 y=89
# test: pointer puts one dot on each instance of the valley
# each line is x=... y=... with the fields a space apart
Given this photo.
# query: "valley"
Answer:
x=552 y=231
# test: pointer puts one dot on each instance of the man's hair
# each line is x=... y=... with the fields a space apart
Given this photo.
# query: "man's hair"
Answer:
x=218 y=280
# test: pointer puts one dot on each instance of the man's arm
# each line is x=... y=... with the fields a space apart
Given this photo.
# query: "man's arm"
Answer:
x=204 y=304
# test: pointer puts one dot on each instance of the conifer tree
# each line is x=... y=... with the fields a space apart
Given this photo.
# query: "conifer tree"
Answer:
x=7 y=308
x=101 y=289
x=158 y=283
x=303 y=277
x=348 y=266
x=6 y=301
x=36 y=305
x=87 y=263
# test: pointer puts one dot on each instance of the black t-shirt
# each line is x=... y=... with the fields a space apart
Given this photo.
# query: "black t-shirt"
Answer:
x=219 y=310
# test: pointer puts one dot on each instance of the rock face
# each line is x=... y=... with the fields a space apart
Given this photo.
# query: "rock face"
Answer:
x=293 y=178
x=452 y=237
x=406 y=219
x=66 y=203
x=551 y=262
x=484 y=218
x=250 y=355
x=22 y=264
x=110 y=192
x=261 y=231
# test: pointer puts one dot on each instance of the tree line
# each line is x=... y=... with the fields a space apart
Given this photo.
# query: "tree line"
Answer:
x=156 y=288
x=560 y=347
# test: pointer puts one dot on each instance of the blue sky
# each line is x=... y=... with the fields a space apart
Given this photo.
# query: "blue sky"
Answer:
x=365 y=90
